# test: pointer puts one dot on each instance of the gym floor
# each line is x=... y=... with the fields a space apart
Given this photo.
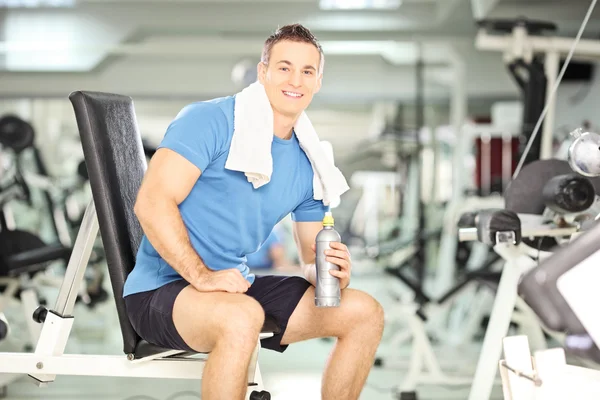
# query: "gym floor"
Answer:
x=294 y=375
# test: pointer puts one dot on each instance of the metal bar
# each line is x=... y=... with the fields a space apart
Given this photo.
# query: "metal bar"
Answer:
x=551 y=64
x=253 y=364
x=420 y=124
x=100 y=365
x=486 y=165
x=446 y=259
x=470 y=234
x=29 y=302
x=164 y=354
x=504 y=303
x=507 y=159
x=78 y=262
x=538 y=44
x=467 y=234
x=520 y=50
x=52 y=341
x=520 y=374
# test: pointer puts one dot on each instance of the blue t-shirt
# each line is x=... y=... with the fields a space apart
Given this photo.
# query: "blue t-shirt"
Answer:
x=262 y=258
x=226 y=218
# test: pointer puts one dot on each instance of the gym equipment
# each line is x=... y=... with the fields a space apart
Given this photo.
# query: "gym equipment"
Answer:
x=529 y=72
x=562 y=291
x=327 y=289
x=453 y=314
x=57 y=193
x=4 y=328
x=496 y=160
x=404 y=148
x=23 y=254
x=584 y=153
x=424 y=324
x=149 y=151
x=419 y=259
x=15 y=133
x=21 y=251
x=491 y=178
x=424 y=367
x=540 y=178
x=517 y=234
x=522 y=44
x=115 y=162
x=18 y=135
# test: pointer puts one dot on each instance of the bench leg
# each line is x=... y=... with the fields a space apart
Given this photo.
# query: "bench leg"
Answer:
x=255 y=383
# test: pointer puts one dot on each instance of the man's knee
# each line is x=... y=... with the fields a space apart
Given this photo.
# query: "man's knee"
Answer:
x=367 y=312
x=205 y=320
x=242 y=323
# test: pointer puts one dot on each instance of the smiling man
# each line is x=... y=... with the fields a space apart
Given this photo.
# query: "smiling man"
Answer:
x=191 y=288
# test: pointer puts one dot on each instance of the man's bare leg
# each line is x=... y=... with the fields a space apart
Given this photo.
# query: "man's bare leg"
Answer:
x=358 y=326
x=227 y=325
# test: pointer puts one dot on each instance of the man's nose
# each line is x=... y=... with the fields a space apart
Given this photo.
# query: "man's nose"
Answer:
x=296 y=79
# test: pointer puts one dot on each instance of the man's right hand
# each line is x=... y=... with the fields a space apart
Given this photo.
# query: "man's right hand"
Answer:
x=228 y=280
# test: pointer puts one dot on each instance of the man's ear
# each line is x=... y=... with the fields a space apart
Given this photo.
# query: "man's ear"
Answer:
x=261 y=71
x=319 y=83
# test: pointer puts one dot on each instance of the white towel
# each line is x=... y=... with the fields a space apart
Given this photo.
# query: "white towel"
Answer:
x=250 y=150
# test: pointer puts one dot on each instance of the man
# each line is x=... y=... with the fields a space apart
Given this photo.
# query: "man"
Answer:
x=191 y=288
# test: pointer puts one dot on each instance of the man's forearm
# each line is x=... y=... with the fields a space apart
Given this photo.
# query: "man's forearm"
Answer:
x=162 y=224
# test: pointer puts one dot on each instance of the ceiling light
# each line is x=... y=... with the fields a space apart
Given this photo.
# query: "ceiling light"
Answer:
x=359 y=4
x=36 y=3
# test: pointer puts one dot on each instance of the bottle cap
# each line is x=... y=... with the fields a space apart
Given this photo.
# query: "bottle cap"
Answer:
x=328 y=220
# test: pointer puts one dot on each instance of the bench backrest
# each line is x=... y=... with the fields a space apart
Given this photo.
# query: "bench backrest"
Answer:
x=116 y=164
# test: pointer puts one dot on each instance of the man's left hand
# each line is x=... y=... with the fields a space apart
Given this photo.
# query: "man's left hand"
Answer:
x=340 y=256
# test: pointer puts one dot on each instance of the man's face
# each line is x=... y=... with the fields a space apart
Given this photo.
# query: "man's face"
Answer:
x=292 y=76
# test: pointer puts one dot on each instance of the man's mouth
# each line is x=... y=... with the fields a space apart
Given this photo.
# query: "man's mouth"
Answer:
x=292 y=94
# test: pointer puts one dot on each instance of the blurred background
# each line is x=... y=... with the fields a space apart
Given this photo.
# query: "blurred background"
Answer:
x=426 y=118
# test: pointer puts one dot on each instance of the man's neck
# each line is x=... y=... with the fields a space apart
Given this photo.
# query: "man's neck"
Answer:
x=283 y=125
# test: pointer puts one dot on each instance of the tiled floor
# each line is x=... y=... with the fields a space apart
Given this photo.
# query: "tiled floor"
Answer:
x=294 y=375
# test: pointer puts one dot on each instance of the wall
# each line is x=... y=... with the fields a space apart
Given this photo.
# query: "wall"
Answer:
x=577 y=102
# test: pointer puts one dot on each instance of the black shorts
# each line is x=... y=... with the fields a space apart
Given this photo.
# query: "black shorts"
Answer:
x=151 y=313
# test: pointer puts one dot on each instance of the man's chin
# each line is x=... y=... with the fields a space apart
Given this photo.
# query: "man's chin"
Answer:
x=295 y=109
x=290 y=112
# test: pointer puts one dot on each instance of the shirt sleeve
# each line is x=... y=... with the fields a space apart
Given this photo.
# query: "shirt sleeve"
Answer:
x=309 y=210
x=197 y=133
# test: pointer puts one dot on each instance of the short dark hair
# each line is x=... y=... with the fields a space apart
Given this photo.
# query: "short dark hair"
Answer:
x=294 y=33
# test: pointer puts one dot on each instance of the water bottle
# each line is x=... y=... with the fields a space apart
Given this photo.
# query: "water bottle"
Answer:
x=327 y=290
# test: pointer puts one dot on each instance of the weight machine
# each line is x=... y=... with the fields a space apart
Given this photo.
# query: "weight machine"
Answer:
x=543 y=246
x=563 y=292
x=521 y=45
